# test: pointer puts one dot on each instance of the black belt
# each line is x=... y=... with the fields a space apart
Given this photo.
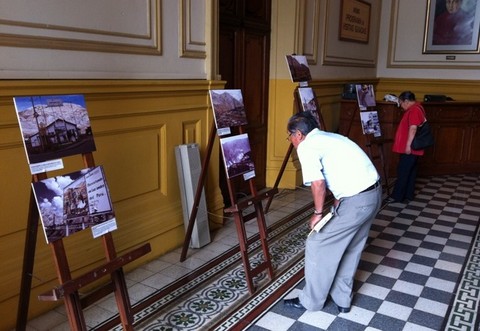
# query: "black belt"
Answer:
x=377 y=183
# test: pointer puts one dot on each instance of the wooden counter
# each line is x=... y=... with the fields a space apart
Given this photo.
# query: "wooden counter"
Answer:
x=455 y=125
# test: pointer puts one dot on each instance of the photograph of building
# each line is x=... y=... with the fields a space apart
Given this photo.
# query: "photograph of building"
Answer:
x=54 y=126
x=73 y=202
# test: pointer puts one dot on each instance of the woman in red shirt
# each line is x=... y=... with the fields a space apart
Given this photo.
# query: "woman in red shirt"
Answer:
x=413 y=117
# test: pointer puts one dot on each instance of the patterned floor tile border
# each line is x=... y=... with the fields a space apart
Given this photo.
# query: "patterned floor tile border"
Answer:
x=217 y=294
x=225 y=294
x=252 y=304
x=464 y=311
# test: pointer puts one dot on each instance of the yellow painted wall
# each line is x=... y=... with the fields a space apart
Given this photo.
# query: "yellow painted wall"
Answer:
x=136 y=125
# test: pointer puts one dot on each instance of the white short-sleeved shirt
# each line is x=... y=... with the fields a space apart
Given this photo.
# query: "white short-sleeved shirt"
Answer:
x=344 y=166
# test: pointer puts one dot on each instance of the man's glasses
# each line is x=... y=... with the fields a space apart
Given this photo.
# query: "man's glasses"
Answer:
x=289 y=135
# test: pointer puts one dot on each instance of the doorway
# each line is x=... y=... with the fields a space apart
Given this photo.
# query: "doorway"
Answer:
x=244 y=53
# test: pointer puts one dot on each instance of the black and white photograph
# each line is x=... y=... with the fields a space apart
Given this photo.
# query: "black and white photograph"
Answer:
x=228 y=109
x=298 y=68
x=370 y=123
x=54 y=126
x=237 y=155
x=73 y=202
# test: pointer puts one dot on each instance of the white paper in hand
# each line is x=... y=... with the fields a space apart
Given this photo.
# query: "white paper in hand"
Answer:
x=322 y=223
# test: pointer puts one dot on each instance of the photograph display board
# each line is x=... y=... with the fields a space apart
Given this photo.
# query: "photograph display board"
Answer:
x=52 y=127
x=298 y=68
x=370 y=123
x=365 y=96
x=309 y=102
x=228 y=110
x=73 y=202
x=237 y=156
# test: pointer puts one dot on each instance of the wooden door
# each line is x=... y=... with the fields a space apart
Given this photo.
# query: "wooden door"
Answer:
x=244 y=63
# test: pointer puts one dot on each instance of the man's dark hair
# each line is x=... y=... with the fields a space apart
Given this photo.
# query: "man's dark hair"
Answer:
x=407 y=95
x=303 y=122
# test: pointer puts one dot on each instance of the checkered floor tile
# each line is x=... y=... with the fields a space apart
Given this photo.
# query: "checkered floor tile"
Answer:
x=419 y=270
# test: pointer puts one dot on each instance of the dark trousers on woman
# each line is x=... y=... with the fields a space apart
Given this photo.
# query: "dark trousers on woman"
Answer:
x=406 y=176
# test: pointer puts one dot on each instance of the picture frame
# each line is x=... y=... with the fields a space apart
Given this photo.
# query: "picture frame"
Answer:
x=452 y=26
x=355 y=21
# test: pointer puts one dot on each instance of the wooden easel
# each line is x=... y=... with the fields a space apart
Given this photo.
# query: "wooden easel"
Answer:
x=369 y=141
x=237 y=209
x=379 y=142
x=69 y=287
x=298 y=107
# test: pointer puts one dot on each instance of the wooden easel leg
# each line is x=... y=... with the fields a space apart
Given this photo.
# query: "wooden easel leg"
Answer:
x=72 y=301
x=384 y=168
x=198 y=194
x=242 y=239
x=123 y=301
x=75 y=312
x=262 y=229
x=121 y=291
x=28 y=261
x=279 y=176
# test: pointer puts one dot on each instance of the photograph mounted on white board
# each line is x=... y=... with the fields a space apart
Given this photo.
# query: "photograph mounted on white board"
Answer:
x=237 y=155
x=73 y=202
x=370 y=123
x=228 y=108
x=365 y=96
x=54 y=126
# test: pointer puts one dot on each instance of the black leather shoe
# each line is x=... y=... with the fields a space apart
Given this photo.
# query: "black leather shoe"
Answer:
x=295 y=303
x=343 y=309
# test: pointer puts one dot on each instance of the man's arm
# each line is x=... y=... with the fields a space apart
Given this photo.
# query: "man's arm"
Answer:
x=319 y=191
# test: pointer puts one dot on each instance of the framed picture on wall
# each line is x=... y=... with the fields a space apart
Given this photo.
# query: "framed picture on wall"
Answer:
x=452 y=26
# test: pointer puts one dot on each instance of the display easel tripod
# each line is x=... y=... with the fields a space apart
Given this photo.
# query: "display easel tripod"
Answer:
x=370 y=141
x=237 y=208
x=298 y=107
x=69 y=287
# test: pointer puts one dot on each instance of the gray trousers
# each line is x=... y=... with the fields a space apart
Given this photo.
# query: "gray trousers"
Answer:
x=332 y=255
